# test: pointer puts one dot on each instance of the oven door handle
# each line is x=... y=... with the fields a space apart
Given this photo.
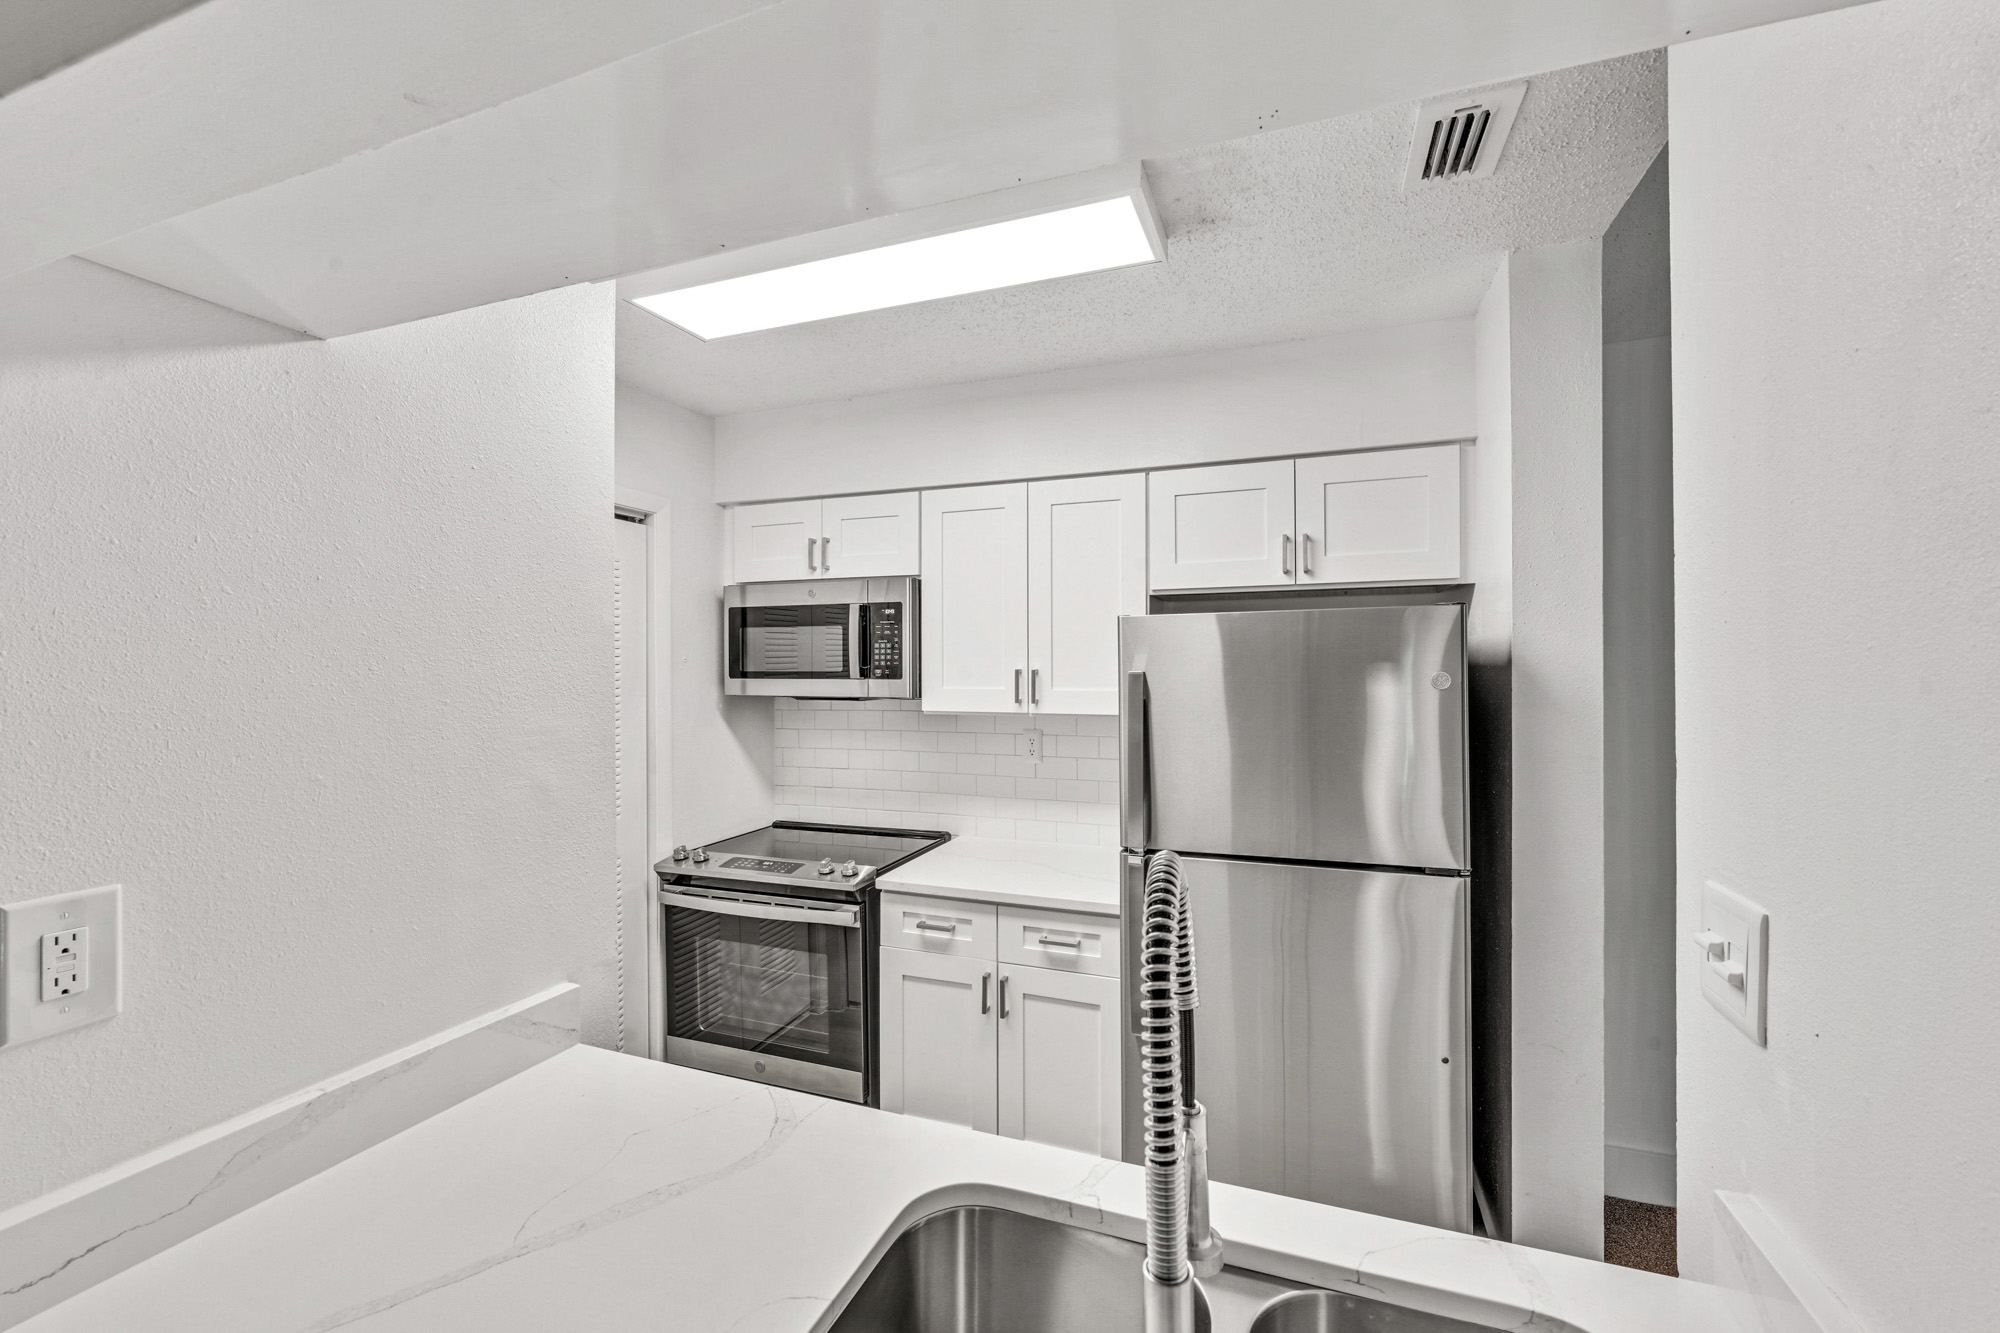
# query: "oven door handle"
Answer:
x=703 y=902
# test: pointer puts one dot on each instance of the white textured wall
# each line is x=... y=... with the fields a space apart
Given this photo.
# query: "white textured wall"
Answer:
x=1489 y=566
x=308 y=645
x=1638 y=701
x=722 y=747
x=1403 y=385
x=1837 y=481
x=1557 y=690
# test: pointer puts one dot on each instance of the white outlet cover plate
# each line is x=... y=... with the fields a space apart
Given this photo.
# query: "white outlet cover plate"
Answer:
x=1747 y=928
x=24 y=1014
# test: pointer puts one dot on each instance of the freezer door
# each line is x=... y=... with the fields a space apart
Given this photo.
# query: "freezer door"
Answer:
x=1324 y=735
x=1330 y=1041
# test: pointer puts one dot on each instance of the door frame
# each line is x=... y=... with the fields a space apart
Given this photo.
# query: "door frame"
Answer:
x=657 y=511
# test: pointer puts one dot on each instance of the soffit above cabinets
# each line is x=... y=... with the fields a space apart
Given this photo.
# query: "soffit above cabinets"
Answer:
x=787 y=119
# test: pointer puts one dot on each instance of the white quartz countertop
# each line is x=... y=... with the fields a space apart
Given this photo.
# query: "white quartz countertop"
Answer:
x=603 y=1191
x=1021 y=874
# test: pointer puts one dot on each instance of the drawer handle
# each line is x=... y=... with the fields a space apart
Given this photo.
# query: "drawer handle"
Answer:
x=944 y=926
x=1050 y=941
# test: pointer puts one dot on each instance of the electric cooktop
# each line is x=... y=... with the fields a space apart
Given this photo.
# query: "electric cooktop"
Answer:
x=816 y=860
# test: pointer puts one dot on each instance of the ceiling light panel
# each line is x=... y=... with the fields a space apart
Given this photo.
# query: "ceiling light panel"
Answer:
x=924 y=255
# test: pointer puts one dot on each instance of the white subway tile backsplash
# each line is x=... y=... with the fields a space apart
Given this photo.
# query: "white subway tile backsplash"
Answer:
x=888 y=762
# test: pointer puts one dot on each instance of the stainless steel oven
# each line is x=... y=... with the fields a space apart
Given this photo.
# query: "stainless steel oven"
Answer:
x=822 y=639
x=770 y=942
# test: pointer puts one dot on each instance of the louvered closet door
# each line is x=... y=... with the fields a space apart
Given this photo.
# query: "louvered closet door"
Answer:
x=629 y=640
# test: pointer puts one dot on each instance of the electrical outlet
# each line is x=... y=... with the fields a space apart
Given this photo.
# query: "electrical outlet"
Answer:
x=1033 y=745
x=65 y=963
x=59 y=963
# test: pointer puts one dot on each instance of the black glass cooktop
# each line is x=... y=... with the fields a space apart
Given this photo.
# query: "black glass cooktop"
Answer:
x=809 y=844
x=789 y=856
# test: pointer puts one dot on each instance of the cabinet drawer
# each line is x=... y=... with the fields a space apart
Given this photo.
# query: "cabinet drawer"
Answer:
x=1064 y=941
x=937 y=925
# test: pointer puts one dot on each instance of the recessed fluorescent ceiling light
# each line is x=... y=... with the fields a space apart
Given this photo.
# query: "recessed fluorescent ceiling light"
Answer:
x=1086 y=239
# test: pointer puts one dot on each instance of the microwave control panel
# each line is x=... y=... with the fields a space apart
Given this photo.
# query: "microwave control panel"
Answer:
x=882 y=629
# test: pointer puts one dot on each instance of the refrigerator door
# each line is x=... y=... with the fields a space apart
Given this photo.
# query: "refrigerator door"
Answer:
x=1330 y=1040
x=1322 y=735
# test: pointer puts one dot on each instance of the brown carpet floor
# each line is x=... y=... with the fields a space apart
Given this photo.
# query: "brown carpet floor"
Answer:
x=1639 y=1235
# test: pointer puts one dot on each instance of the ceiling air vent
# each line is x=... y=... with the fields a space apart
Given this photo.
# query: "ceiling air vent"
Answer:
x=1462 y=135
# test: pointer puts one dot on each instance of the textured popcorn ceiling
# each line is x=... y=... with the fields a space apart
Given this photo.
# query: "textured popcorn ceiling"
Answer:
x=1285 y=234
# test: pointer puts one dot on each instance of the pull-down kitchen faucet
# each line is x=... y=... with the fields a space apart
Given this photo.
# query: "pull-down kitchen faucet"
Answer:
x=1180 y=1244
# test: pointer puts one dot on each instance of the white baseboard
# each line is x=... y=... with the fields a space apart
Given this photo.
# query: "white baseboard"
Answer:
x=1783 y=1292
x=57 y=1245
x=1639 y=1173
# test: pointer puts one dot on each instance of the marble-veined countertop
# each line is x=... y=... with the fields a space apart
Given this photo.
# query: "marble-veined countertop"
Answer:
x=1053 y=876
x=603 y=1191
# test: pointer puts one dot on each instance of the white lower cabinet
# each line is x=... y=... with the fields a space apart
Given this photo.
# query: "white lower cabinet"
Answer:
x=1059 y=1059
x=939 y=1037
x=1029 y=1052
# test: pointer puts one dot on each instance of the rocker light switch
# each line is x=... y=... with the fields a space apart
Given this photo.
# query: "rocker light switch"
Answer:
x=1734 y=940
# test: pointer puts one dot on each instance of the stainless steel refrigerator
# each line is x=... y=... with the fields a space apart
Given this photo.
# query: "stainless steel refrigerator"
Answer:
x=1310 y=767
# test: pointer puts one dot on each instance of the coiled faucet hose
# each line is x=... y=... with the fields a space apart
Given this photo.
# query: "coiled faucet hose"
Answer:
x=1166 y=987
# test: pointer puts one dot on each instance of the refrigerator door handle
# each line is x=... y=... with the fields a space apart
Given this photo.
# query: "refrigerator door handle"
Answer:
x=1132 y=913
x=1132 y=771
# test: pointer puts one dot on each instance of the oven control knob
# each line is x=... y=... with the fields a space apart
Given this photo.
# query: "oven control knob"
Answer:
x=701 y=856
x=826 y=866
x=850 y=870
x=681 y=852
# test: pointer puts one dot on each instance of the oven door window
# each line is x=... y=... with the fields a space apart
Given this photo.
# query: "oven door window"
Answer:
x=787 y=988
x=790 y=642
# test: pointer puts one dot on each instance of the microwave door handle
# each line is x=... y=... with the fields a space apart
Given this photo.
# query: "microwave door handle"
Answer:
x=1135 y=807
x=856 y=649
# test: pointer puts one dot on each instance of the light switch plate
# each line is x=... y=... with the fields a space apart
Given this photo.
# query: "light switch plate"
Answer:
x=1735 y=941
x=96 y=990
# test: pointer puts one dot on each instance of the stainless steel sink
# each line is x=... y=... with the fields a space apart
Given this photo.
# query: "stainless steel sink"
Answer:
x=991 y=1270
x=1332 y=1312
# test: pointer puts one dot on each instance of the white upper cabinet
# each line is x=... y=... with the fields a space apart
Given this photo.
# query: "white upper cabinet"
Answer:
x=869 y=536
x=1382 y=516
x=1221 y=527
x=975 y=599
x=775 y=541
x=1379 y=517
x=851 y=537
x=1086 y=568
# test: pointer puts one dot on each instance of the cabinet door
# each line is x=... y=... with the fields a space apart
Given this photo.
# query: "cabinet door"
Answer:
x=1060 y=1047
x=1221 y=527
x=938 y=1035
x=771 y=541
x=869 y=536
x=1086 y=568
x=975 y=595
x=1389 y=516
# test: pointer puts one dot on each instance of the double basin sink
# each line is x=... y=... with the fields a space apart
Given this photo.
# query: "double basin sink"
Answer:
x=991 y=1270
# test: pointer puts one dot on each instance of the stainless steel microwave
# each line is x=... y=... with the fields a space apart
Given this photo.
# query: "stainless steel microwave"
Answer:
x=822 y=639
